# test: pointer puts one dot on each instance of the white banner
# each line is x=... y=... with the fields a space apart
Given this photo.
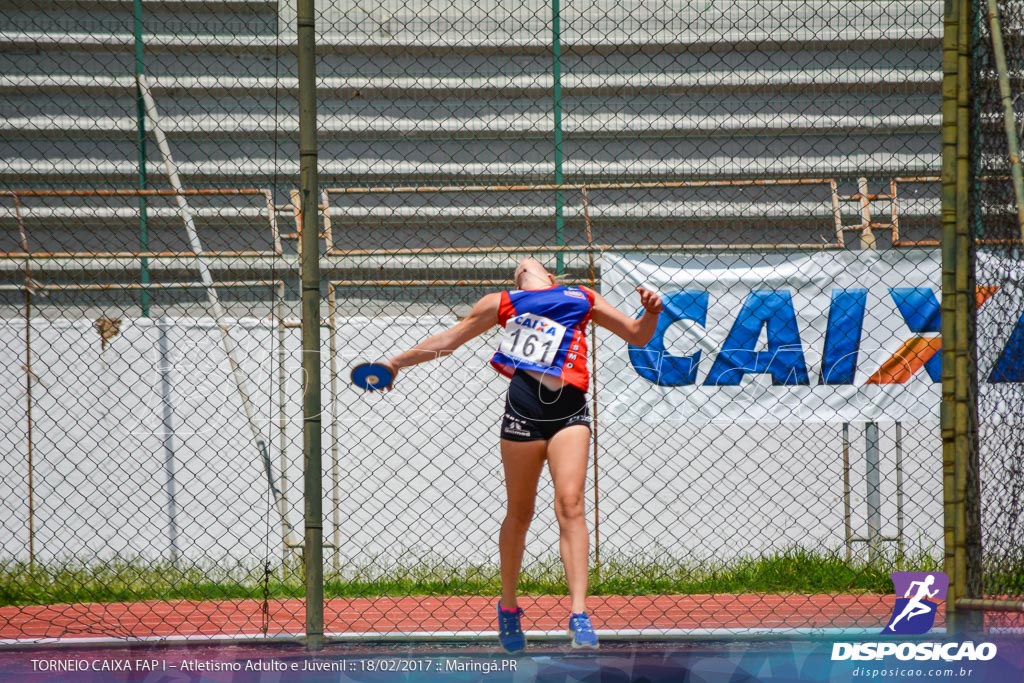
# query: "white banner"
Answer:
x=788 y=337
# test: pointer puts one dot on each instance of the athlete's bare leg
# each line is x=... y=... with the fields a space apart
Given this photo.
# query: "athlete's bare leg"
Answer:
x=567 y=461
x=523 y=462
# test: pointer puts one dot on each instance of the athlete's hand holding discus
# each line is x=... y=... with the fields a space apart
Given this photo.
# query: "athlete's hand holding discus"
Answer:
x=543 y=350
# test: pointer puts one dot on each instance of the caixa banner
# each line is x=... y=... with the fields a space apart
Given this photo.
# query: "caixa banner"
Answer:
x=808 y=336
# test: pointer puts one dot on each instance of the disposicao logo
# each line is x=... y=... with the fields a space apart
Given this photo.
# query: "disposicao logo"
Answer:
x=914 y=612
x=917 y=601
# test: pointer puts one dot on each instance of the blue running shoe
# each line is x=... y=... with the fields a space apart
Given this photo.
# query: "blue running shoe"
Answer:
x=510 y=630
x=582 y=631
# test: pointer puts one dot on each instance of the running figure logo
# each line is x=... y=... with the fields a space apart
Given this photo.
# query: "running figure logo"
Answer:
x=914 y=613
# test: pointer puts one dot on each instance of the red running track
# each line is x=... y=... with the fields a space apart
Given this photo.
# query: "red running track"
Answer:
x=436 y=615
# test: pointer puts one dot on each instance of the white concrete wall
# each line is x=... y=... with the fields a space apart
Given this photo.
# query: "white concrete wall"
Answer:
x=419 y=470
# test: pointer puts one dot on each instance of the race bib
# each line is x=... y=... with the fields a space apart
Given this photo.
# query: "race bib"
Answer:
x=532 y=339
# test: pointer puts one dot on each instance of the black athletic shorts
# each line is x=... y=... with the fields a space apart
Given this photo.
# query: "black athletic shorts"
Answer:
x=533 y=412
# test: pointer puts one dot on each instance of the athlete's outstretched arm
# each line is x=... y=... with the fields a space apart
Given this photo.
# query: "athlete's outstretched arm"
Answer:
x=482 y=317
x=635 y=331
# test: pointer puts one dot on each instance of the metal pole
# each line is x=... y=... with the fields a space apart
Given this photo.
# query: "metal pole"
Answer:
x=867 y=237
x=282 y=427
x=872 y=469
x=556 y=75
x=140 y=193
x=847 y=507
x=991 y=605
x=168 y=437
x=28 y=417
x=1009 y=118
x=140 y=109
x=956 y=275
x=310 y=263
x=28 y=383
x=874 y=494
x=968 y=490
x=332 y=349
x=594 y=390
x=899 y=494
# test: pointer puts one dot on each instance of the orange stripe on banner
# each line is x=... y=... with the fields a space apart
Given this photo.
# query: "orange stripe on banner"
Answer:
x=917 y=351
x=983 y=294
x=911 y=357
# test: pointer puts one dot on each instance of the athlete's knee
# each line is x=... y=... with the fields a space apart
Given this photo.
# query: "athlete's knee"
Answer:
x=518 y=518
x=569 y=506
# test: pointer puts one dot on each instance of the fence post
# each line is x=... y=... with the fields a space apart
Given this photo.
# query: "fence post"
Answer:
x=312 y=551
x=143 y=182
x=872 y=457
x=165 y=367
x=556 y=90
x=959 y=376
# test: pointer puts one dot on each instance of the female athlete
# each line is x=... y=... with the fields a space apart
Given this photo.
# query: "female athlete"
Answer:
x=544 y=352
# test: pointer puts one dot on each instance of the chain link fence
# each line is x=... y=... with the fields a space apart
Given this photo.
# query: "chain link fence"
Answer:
x=149 y=326
x=997 y=220
x=771 y=167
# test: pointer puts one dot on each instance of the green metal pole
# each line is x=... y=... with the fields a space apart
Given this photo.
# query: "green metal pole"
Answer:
x=556 y=75
x=309 y=191
x=968 y=475
x=140 y=112
x=959 y=375
x=950 y=76
x=1009 y=119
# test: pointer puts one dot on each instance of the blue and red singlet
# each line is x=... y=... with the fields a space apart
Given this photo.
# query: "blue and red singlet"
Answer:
x=545 y=332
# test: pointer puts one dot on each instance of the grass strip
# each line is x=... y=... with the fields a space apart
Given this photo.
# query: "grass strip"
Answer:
x=794 y=570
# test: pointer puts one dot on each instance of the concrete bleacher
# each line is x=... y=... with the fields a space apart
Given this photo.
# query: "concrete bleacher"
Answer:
x=428 y=92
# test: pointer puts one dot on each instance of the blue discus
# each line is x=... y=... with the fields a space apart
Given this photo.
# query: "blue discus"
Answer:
x=372 y=376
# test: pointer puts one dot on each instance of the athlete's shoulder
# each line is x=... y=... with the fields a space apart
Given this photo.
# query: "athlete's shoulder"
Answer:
x=488 y=307
x=492 y=299
x=582 y=292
